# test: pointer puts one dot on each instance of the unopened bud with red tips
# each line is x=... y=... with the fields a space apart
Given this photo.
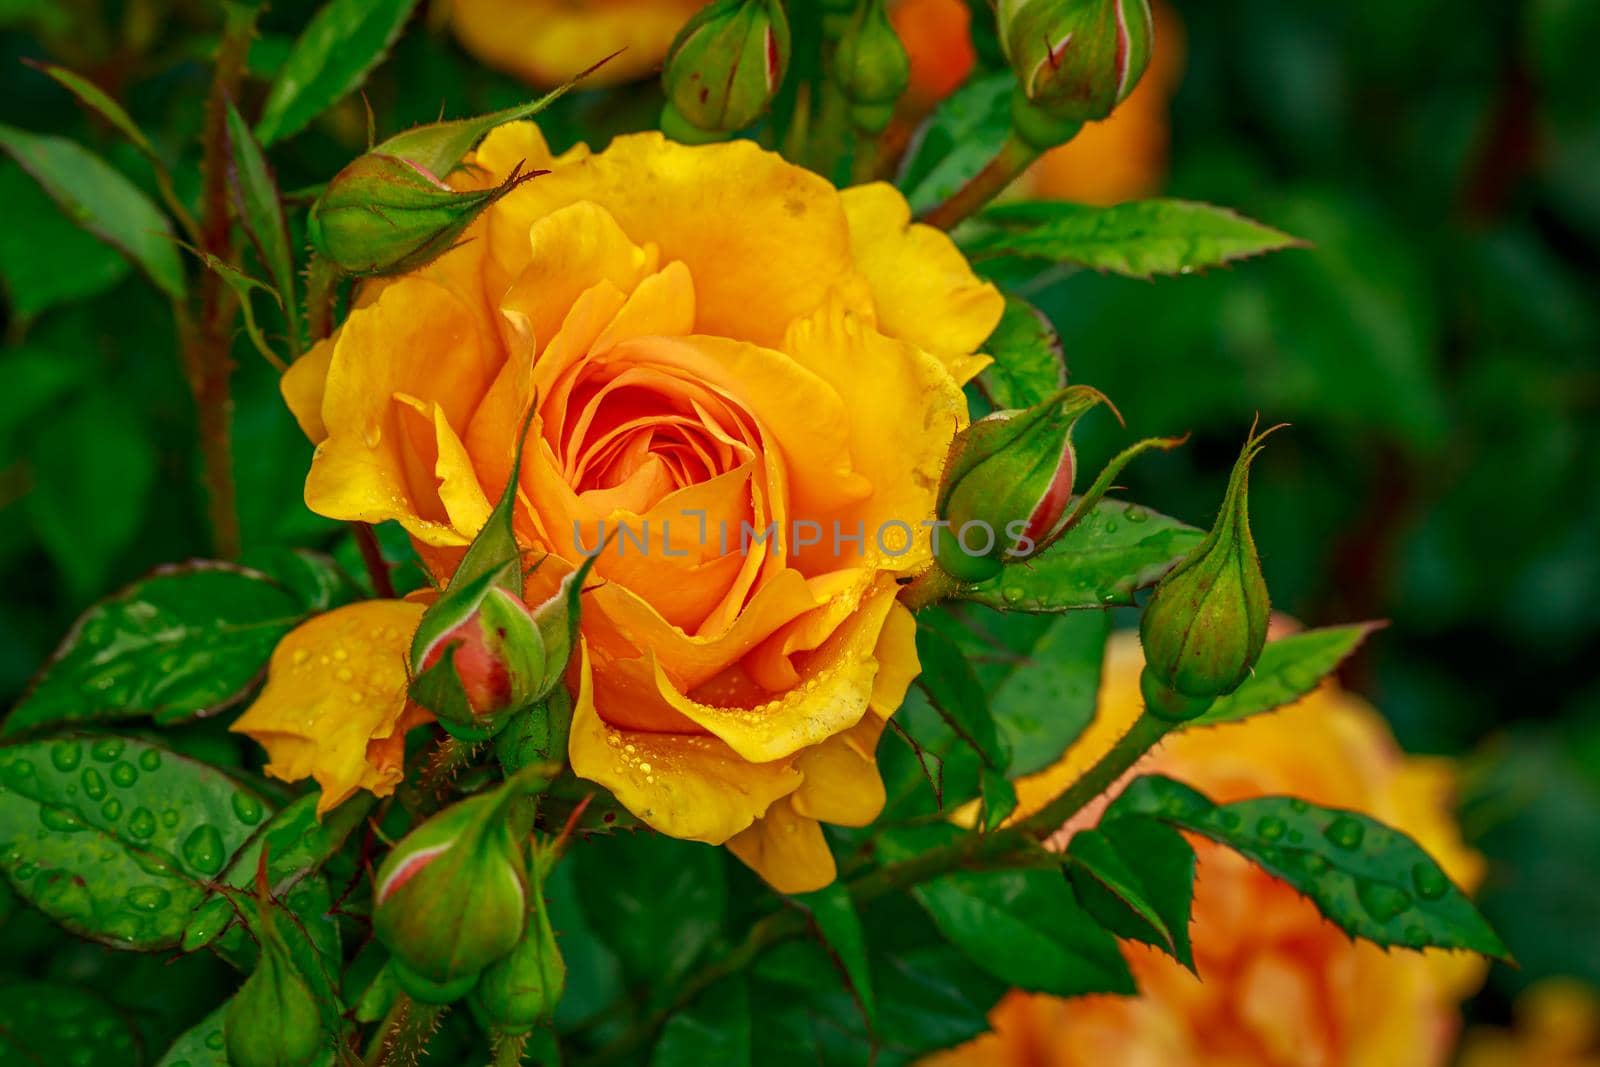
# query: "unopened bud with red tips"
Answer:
x=1206 y=623
x=1008 y=483
x=871 y=66
x=452 y=897
x=386 y=215
x=1075 y=60
x=275 y=1019
x=521 y=991
x=726 y=65
x=480 y=655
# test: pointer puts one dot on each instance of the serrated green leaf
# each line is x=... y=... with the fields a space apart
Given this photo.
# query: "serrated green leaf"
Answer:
x=1114 y=551
x=833 y=914
x=47 y=260
x=115 y=838
x=92 y=468
x=1041 y=674
x=1028 y=362
x=297 y=844
x=1371 y=880
x=316 y=581
x=102 y=201
x=188 y=640
x=655 y=901
x=95 y=99
x=715 y=1028
x=199 y=1046
x=54 y=1023
x=1138 y=239
x=1288 y=669
x=1136 y=876
x=958 y=140
x=954 y=692
x=256 y=202
x=1025 y=928
x=329 y=60
x=998 y=796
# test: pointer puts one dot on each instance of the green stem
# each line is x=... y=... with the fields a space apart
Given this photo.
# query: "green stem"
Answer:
x=1146 y=732
x=1012 y=159
x=403 y=1034
x=508 y=1049
x=929 y=587
x=322 y=285
x=209 y=359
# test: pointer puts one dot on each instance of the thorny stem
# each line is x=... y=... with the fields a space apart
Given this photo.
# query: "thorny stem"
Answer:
x=207 y=359
x=1012 y=159
x=1016 y=846
x=403 y=1034
x=508 y=1049
x=928 y=588
x=322 y=284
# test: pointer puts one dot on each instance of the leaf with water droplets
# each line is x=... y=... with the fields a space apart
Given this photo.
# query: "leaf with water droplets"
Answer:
x=54 y=1023
x=1114 y=551
x=1136 y=876
x=1372 y=880
x=297 y=844
x=1288 y=669
x=1137 y=239
x=116 y=838
x=202 y=1045
x=186 y=641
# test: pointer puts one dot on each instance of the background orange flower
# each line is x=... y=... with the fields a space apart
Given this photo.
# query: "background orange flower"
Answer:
x=1278 y=985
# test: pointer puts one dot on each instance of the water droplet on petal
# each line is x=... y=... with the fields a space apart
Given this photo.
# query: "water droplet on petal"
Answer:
x=60 y=819
x=124 y=774
x=142 y=823
x=93 y=783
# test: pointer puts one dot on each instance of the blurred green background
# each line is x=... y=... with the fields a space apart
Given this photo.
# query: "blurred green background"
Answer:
x=1437 y=352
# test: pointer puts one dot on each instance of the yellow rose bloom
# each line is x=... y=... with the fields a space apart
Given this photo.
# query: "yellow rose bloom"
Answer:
x=549 y=42
x=1278 y=985
x=714 y=341
x=1121 y=158
x=1557 y=1025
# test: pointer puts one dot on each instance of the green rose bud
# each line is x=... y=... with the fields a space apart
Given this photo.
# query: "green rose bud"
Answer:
x=275 y=1020
x=481 y=656
x=451 y=898
x=871 y=67
x=726 y=64
x=521 y=991
x=1007 y=485
x=387 y=215
x=1075 y=60
x=1206 y=623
